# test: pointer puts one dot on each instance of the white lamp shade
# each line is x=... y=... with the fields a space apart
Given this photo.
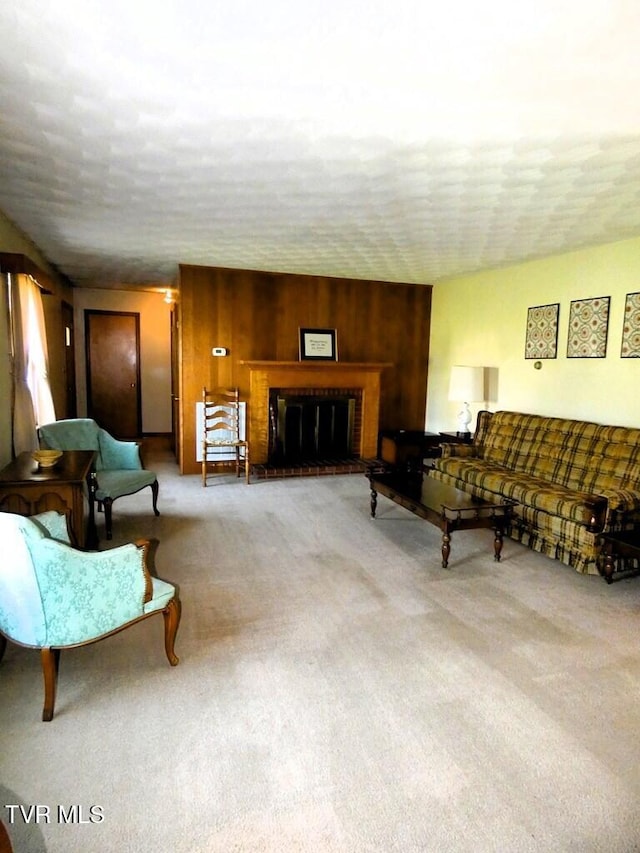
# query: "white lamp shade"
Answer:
x=467 y=384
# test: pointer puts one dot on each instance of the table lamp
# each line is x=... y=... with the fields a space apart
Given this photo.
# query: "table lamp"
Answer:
x=466 y=386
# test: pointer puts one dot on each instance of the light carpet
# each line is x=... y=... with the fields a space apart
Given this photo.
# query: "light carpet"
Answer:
x=337 y=692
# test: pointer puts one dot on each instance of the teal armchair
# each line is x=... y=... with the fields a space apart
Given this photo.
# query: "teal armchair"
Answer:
x=119 y=468
x=54 y=596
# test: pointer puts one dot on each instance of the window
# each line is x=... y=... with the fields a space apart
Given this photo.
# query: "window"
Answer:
x=32 y=400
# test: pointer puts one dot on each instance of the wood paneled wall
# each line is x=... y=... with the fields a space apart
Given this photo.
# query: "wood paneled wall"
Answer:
x=256 y=315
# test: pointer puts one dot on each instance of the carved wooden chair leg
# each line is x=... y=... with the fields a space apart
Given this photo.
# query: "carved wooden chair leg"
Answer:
x=155 y=488
x=3 y=645
x=50 y=664
x=5 y=841
x=247 y=469
x=171 y=615
x=108 y=504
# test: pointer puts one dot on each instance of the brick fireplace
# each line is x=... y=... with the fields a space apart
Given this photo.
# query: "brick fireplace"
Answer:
x=362 y=381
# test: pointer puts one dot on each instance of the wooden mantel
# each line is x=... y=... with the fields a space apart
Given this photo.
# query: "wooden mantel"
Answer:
x=312 y=374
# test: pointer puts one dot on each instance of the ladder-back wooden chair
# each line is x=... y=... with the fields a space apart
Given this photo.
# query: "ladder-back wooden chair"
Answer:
x=221 y=432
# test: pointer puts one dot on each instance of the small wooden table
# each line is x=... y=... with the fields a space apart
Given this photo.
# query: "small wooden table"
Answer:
x=445 y=506
x=623 y=543
x=406 y=448
x=27 y=489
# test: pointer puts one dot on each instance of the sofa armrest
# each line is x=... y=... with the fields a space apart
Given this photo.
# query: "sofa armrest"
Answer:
x=620 y=504
x=87 y=594
x=623 y=501
x=459 y=450
x=116 y=454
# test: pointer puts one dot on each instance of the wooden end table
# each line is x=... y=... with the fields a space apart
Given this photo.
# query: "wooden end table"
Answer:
x=457 y=437
x=27 y=489
x=624 y=543
x=407 y=448
x=448 y=508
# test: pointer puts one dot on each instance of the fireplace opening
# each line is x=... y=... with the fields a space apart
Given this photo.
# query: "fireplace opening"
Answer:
x=308 y=427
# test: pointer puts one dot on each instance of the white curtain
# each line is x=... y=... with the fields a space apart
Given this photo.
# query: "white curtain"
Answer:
x=33 y=400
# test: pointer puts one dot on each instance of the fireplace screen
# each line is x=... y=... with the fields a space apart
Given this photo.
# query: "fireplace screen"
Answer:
x=307 y=428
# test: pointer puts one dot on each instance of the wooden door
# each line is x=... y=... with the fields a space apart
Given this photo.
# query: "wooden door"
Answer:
x=112 y=340
x=68 y=342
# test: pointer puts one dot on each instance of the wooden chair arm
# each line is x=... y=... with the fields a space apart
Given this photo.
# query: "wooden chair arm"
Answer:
x=149 y=548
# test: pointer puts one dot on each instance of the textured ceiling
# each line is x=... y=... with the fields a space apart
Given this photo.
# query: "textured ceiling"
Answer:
x=385 y=139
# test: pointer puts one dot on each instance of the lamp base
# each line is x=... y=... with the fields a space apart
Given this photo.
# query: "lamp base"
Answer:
x=464 y=419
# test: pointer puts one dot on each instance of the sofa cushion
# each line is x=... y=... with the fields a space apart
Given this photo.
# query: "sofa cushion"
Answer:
x=53 y=524
x=114 y=484
x=524 y=489
x=578 y=455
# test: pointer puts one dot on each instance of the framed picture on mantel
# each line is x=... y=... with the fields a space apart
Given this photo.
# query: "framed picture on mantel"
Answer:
x=318 y=344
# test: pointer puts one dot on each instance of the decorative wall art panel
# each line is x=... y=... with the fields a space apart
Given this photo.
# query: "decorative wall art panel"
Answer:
x=588 y=326
x=631 y=327
x=542 y=331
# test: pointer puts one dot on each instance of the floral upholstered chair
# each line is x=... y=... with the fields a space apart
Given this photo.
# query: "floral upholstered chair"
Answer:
x=53 y=596
x=119 y=468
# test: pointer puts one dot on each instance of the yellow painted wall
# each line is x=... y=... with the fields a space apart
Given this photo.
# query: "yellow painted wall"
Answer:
x=480 y=320
x=155 y=349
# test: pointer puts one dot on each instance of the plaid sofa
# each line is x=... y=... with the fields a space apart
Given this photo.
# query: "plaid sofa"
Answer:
x=571 y=479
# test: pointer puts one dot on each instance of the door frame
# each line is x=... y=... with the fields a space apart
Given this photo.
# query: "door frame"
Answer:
x=69 y=349
x=175 y=380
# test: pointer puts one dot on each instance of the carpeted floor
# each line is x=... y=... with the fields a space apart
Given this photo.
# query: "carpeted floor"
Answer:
x=338 y=691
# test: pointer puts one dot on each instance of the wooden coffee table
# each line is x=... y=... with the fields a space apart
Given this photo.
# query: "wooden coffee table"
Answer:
x=445 y=506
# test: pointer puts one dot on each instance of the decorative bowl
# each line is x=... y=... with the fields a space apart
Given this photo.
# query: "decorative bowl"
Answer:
x=46 y=458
